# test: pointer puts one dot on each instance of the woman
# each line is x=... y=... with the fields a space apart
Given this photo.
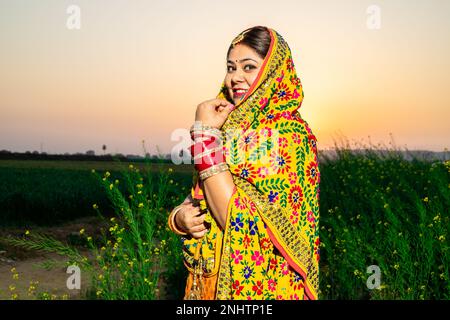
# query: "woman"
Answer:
x=250 y=225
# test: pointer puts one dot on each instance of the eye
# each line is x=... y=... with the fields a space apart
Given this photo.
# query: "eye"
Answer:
x=228 y=68
x=250 y=67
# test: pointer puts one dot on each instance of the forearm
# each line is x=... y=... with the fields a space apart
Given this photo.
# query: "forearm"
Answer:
x=218 y=190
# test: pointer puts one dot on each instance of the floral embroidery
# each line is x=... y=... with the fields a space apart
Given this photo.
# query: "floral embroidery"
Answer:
x=295 y=197
x=258 y=258
x=283 y=93
x=236 y=256
x=280 y=161
x=237 y=224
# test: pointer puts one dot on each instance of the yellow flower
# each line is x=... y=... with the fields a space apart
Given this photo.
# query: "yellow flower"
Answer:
x=100 y=276
x=107 y=174
x=103 y=248
x=386 y=205
x=425 y=199
x=111 y=186
x=95 y=206
x=141 y=205
x=130 y=166
x=14 y=296
x=116 y=181
x=16 y=276
x=82 y=231
x=27 y=232
x=89 y=239
x=396 y=266
x=12 y=287
x=93 y=170
x=98 y=293
x=441 y=238
x=13 y=270
x=170 y=170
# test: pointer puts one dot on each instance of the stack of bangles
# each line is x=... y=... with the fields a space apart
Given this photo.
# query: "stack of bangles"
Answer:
x=207 y=151
x=209 y=160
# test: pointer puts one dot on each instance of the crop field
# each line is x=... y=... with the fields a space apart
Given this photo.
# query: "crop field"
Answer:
x=384 y=228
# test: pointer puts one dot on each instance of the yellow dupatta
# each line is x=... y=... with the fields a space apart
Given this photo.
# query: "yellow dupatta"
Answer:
x=270 y=246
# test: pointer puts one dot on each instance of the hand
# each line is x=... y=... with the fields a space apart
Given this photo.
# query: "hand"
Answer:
x=190 y=220
x=213 y=112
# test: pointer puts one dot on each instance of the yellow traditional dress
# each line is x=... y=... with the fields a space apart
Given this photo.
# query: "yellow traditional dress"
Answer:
x=269 y=248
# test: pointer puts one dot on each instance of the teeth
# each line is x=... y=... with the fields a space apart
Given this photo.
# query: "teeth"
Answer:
x=241 y=91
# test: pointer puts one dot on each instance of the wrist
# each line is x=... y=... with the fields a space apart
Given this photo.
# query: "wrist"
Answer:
x=207 y=148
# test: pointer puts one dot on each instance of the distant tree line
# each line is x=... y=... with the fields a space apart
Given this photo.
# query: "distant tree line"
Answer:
x=87 y=156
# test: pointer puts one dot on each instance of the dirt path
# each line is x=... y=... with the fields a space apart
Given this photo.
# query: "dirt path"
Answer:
x=49 y=269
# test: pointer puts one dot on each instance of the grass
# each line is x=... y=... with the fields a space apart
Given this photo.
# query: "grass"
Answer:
x=377 y=209
x=51 y=192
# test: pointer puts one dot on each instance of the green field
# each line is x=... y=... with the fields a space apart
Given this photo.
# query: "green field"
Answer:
x=50 y=192
x=375 y=210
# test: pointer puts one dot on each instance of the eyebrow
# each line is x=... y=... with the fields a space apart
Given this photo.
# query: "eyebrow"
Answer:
x=245 y=59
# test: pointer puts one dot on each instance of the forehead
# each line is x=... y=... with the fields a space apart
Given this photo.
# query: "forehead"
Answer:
x=241 y=51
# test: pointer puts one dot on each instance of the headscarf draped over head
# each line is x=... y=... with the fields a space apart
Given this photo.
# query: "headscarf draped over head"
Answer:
x=272 y=237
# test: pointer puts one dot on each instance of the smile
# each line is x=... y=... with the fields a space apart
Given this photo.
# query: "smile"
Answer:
x=239 y=93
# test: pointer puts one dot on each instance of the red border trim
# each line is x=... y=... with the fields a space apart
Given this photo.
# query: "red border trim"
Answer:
x=295 y=266
x=261 y=71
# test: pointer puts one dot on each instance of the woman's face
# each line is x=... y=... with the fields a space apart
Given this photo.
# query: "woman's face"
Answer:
x=243 y=65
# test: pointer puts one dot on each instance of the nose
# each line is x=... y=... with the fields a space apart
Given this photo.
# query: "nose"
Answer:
x=238 y=76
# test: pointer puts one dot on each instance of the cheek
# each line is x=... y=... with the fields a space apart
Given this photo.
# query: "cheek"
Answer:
x=228 y=82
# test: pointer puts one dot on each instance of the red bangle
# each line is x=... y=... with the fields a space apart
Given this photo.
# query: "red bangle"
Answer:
x=207 y=149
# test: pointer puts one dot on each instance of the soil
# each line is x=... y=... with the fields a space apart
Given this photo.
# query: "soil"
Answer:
x=49 y=269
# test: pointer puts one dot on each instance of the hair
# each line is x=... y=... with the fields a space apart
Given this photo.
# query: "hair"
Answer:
x=257 y=38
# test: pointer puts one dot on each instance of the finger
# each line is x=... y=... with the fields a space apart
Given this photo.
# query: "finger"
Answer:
x=198 y=235
x=226 y=110
x=199 y=228
x=198 y=220
x=218 y=103
x=193 y=211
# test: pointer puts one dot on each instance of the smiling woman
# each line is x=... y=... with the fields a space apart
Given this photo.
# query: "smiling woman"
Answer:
x=250 y=225
x=241 y=73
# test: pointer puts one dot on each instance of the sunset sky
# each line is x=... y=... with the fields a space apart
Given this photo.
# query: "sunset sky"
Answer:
x=136 y=70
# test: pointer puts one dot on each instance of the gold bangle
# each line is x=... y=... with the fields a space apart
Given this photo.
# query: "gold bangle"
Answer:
x=172 y=223
x=212 y=171
x=199 y=128
x=208 y=151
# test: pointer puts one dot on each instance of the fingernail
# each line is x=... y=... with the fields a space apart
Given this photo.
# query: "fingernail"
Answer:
x=232 y=106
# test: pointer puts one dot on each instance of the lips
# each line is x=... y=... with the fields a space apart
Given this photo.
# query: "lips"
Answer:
x=238 y=92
